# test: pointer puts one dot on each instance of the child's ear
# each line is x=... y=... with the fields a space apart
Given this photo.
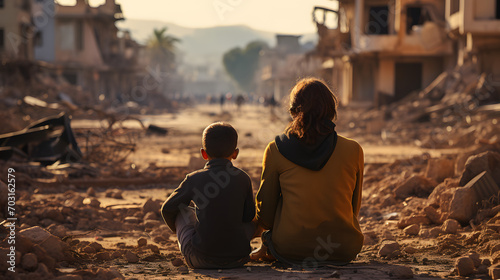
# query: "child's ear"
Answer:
x=204 y=154
x=235 y=153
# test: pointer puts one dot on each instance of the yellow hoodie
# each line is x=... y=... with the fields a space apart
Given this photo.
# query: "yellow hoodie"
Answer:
x=313 y=214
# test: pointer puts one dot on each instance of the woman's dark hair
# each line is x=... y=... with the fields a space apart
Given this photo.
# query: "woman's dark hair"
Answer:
x=312 y=107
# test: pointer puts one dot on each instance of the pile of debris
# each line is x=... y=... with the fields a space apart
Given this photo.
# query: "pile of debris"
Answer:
x=453 y=200
x=459 y=109
x=58 y=250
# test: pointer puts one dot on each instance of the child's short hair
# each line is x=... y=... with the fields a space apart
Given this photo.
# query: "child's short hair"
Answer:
x=219 y=140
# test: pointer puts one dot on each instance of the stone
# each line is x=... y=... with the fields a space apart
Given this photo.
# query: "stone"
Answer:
x=401 y=272
x=151 y=223
x=439 y=169
x=108 y=273
x=415 y=185
x=154 y=248
x=485 y=262
x=132 y=220
x=475 y=258
x=177 y=262
x=464 y=266
x=44 y=271
x=117 y=194
x=29 y=262
x=388 y=249
x=369 y=240
x=116 y=255
x=141 y=242
x=69 y=277
x=412 y=220
x=97 y=246
x=43 y=257
x=482 y=269
x=103 y=256
x=410 y=250
x=53 y=246
x=488 y=161
x=183 y=270
x=411 y=230
x=92 y=202
x=59 y=231
x=151 y=216
x=131 y=257
x=91 y=192
x=432 y=214
x=89 y=250
x=151 y=206
x=450 y=226
x=463 y=205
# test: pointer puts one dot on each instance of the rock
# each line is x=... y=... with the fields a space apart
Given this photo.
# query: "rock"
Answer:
x=154 y=248
x=369 y=240
x=475 y=258
x=116 y=255
x=97 y=246
x=132 y=220
x=485 y=262
x=463 y=205
x=89 y=250
x=92 y=202
x=183 y=270
x=439 y=169
x=389 y=249
x=401 y=272
x=177 y=262
x=151 y=216
x=59 y=231
x=103 y=256
x=494 y=271
x=43 y=257
x=488 y=161
x=110 y=273
x=410 y=250
x=44 y=271
x=442 y=194
x=151 y=206
x=482 y=269
x=435 y=232
x=29 y=262
x=91 y=192
x=118 y=194
x=131 y=257
x=412 y=220
x=464 y=266
x=451 y=226
x=54 y=247
x=141 y=242
x=151 y=223
x=432 y=214
x=69 y=277
x=387 y=235
x=415 y=185
x=412 y=230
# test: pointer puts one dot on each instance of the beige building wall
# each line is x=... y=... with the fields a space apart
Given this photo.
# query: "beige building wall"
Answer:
x=17 y=40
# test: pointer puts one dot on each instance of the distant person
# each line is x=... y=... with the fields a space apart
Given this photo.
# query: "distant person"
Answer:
x=217 y=232
x=222 y=100
x=310 y=191
x=239 y=101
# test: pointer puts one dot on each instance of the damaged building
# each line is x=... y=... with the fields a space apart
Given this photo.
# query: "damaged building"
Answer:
x=378 y=51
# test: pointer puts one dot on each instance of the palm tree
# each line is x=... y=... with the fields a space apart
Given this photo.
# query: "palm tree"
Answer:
x=162 y=49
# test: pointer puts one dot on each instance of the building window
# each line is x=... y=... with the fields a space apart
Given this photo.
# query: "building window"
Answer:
x=498 y=10
x=454 y=6
x=415 y=16
x=38 y=40
x=378 y=20
x=2 y=39
x=2 y=4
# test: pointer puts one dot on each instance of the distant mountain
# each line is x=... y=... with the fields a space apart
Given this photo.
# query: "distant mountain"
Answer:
x=204 y=45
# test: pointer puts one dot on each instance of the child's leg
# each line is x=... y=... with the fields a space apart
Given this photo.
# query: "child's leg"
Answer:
x=184 y=224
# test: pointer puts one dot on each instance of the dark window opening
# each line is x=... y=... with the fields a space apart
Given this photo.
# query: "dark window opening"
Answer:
x=498 y=10
x=2 y=4
x=38 y=39
x=2 y=39
x=408 y=79
x=415 y=16
x=454 y=6
x=79 y=35
x=378 y=21
x=72 y=78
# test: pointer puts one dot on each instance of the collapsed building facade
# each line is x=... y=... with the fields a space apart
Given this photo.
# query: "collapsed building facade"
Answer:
x=379 y=51
x=78 y=43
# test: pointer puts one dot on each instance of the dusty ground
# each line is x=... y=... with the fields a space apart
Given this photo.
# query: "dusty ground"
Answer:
x=117 y=215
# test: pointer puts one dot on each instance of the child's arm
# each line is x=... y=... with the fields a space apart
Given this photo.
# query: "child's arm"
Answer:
x=176 y=203
x=249 y=208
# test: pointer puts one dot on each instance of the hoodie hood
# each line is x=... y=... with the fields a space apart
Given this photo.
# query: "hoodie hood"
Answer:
x=312 y=157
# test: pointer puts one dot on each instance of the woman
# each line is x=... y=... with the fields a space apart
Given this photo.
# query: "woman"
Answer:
x=310 y=191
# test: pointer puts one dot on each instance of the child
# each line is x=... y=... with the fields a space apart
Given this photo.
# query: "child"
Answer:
x=216 y=233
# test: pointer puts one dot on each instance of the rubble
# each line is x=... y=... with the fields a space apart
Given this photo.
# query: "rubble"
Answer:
x=464 y=266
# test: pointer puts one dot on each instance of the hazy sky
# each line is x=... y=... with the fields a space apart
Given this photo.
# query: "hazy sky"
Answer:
x=282 y=16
